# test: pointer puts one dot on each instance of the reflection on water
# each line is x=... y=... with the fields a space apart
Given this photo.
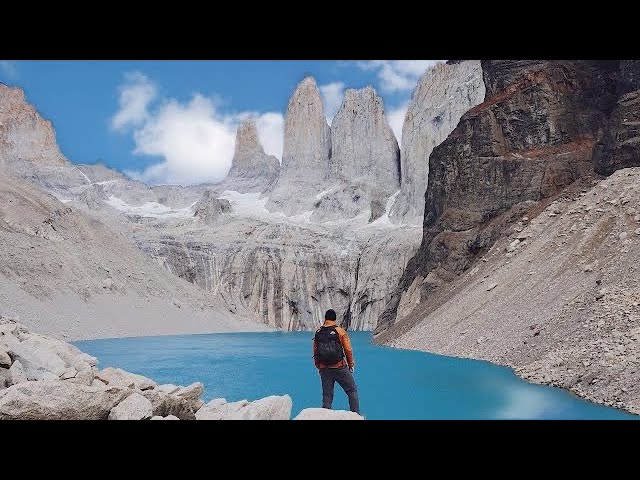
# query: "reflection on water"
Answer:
x=393 y=383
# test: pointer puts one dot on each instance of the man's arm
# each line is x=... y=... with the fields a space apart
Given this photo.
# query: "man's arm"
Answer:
x=346 y=346
x=313 y=352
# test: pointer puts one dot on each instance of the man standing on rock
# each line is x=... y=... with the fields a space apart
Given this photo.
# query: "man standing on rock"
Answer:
x=331 y=345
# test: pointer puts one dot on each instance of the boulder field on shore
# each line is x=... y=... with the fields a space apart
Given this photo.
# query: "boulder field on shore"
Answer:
x=42 y=378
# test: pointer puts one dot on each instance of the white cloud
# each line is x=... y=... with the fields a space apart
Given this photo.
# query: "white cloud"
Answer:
x=8 y=68
x=398 y=75
x=134 y=97
x=395 y=117
x=270 y=127
x=195 y=139
x=332 y=95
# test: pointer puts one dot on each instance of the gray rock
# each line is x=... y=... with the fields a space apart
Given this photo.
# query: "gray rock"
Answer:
x=118 y=377
x=164 y=404
x=17 y=373
x=269 y=408
x=85 y=377
x=622 y=235
x=306 y=152
x=191 y=393
x=168 y=388
x=69 y=373
x=56 y=400
x=5 y=378
x=327 y=414
x=168 y=417
x=5 y=359
x=213 y=410
x=637 y=231
x=39 y=362
x=134 y=407
x=208 y=208
x=491 y=287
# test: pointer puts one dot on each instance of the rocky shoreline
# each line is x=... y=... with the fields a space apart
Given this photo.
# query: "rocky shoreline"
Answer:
x=43 y=378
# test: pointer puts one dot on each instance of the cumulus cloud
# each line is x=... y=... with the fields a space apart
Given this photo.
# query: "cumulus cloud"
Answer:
x=395 y=117
x=8 y=68
x=332 y=95
x=397 y=75
x=134 y=97
x=270 y=127
x=195 y=140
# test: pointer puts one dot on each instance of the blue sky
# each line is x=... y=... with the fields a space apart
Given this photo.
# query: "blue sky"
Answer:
x=174 y=121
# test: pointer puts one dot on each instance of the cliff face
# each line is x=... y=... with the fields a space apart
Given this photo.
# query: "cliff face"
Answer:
x=287 y=275
x=252 y=170
x=535 y=133
x=443 y=94
x=306 y=151
x=24 y=134
x=621 y=146
x=364 y=168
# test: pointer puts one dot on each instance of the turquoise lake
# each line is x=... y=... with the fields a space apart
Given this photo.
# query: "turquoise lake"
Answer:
x=392 y=383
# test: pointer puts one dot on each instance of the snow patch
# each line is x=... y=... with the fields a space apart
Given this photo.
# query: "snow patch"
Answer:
x=150 y=209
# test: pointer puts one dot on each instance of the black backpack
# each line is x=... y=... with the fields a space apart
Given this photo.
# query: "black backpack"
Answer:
x=328 y=345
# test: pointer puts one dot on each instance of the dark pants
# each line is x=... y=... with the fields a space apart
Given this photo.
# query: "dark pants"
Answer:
x=344 y=377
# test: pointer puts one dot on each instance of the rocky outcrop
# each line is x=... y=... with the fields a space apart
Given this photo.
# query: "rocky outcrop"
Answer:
x=306 y=152
x=251 y=169
x=365 y=159
x=443 y=94
x=58 y=400
x=111 y=393
x=327 y=414
x=534 y=134
x=24 y=134
x=208 y=209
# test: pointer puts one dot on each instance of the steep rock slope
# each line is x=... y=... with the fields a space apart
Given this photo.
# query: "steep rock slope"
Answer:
x=443 y=94
x=557 y=297
x=252 y=170
x=69 y=275
x=535 y=133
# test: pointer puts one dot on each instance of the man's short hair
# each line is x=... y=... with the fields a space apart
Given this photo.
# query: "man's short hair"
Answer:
x=330 y=315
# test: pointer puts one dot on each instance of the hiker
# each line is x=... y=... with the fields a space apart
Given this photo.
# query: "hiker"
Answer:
x=331 y=345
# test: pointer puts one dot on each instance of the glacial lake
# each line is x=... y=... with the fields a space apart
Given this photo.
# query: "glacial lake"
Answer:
x=392 y=383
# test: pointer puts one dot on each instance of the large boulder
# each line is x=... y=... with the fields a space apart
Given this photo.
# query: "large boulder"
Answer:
x=134 y=407
x=274 y=407
x=39 y=363
x=164 y=404
x=121 y=378
x=327 y=414
x=58 y=400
